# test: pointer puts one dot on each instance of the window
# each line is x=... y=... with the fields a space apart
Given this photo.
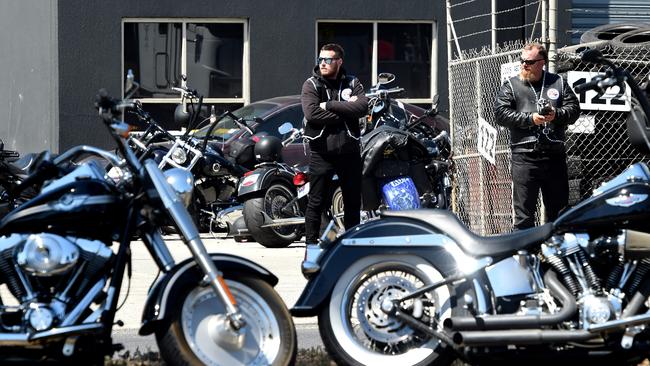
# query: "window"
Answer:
x=211 y=53
x=401 y=48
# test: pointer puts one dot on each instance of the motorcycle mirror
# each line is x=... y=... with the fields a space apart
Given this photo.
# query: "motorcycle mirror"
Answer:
x=131 y=85
x=385 y=78
x=285 y=128
x=434 y=105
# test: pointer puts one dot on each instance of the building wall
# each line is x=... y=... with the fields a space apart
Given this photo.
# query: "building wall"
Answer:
x=29 y=74
x=282 y=46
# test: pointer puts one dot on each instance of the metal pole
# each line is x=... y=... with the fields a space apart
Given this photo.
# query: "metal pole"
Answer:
x=450 y=29
x=494 y=26
x=481 y=183
x=552 y=32
x=543 y=8
x=448 y=32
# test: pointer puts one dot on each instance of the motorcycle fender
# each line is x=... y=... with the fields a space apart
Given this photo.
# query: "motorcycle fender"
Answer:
x=265 y=177
x=187 y=273
x=319 y=288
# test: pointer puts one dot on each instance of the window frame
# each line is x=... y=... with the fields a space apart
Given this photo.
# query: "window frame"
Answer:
x=245 y=99
x=375 y=57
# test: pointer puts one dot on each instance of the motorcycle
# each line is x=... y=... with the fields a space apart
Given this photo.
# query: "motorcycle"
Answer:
x=216 y=174
x=274 y=193
x=418 y=287
x=13 y=170
x=59 y=262
x=403 y=162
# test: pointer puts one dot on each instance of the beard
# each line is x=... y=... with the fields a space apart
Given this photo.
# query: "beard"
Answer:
x=528 y=75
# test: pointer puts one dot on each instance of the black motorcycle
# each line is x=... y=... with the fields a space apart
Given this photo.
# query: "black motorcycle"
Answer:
x=216 y=174
x=64 y=255
x=406 y=163
x=274 y=193
x=418 y=288
x=13 y=170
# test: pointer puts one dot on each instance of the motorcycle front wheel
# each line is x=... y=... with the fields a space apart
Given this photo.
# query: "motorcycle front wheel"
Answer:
x=356 y=331
x=270 y=336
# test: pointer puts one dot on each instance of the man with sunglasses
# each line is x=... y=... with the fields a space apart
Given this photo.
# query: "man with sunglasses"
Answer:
x=333 y=102
x=537 y=106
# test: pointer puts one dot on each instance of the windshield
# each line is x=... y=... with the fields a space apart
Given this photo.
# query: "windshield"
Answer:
x=226 y=127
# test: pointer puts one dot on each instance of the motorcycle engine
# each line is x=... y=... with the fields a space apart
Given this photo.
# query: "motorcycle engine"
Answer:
x=47 y=274
x=581 y=266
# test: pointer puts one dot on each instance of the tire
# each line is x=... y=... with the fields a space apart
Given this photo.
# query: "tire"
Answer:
x=337 y=207
x=268 y=324
x=608 y=32
x=636 y=38
x=382 y=276
x=275 y=197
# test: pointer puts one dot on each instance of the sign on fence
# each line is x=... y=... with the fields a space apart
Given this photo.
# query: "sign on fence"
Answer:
x=487 y=140
x=591 y=100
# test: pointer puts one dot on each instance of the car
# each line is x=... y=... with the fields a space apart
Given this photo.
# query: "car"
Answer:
x=271 y=114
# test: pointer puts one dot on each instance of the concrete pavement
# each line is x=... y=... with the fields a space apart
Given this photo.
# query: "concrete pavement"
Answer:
x=283 y=262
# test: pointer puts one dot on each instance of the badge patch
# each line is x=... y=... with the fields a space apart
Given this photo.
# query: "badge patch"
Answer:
x=346 y=94
x=626 y=200
x=552 y=93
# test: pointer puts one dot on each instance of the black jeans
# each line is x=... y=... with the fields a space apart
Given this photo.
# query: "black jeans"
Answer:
x=322 y=168
x=535 y=171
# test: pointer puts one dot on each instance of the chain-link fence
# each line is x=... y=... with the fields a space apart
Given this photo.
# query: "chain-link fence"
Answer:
x=597 y=145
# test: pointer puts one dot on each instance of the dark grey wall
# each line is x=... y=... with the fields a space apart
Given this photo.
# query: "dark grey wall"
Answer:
x=282 y=36
x=28 y=91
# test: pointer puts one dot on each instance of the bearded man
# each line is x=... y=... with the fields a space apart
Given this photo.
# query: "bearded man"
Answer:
x=537 y=106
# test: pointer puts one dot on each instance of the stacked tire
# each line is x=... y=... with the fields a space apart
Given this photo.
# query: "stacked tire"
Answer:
x=611 y=32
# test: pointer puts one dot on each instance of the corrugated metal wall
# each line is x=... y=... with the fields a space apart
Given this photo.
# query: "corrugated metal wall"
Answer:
x=587 y=14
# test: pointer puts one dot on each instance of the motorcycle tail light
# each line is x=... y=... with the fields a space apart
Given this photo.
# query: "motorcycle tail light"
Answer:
x=300 y=179
x=249 y=173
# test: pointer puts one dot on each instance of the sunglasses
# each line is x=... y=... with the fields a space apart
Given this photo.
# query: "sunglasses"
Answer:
x=327 y=60
x=530 y=62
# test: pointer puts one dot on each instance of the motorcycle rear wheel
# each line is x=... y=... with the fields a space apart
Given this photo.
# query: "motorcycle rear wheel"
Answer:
x=275 y=198
x=270 y=334
x=356 y=332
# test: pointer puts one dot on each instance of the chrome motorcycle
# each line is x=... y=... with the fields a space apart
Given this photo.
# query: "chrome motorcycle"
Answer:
x=64 y=255
x=418 y=288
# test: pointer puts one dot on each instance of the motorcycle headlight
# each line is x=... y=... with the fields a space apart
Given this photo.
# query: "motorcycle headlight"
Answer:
x=179 y=156
x=182 y=182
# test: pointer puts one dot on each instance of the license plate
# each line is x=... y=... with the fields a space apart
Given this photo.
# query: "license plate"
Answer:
x=303 y=190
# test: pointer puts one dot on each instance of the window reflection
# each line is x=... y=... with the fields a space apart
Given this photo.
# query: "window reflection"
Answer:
x=215 y=54
x=356 y=40
x=405 y=50
x=153 y=52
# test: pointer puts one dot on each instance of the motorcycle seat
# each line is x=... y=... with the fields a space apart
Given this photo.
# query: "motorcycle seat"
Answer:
x=23 y=165
x=472 y=244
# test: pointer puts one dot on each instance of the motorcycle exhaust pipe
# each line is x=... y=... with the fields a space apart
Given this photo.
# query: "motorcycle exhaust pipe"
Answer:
x=520 y=337
x=27 y=339
x=283 y=222
x=514 y=321
x=538 y=336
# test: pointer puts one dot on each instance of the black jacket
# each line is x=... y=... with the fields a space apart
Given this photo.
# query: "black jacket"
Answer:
x=516 y=102
x=330 y=130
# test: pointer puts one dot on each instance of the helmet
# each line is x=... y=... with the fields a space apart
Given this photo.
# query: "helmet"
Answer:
x=268 y=148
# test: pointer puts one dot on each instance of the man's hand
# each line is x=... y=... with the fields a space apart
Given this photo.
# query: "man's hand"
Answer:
x=538 y=119
x=322 y=105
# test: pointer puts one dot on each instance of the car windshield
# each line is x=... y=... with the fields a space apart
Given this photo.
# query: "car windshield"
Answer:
x=226 y=127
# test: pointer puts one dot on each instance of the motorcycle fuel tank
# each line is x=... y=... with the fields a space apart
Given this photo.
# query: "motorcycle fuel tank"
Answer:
x=623 y=203
x=76 y=203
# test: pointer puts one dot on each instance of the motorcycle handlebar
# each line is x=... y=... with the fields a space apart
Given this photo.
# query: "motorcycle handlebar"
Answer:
x=383 y=93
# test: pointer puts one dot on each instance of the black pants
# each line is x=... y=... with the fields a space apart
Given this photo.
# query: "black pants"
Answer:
x=532 y=172
x=322 y=168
